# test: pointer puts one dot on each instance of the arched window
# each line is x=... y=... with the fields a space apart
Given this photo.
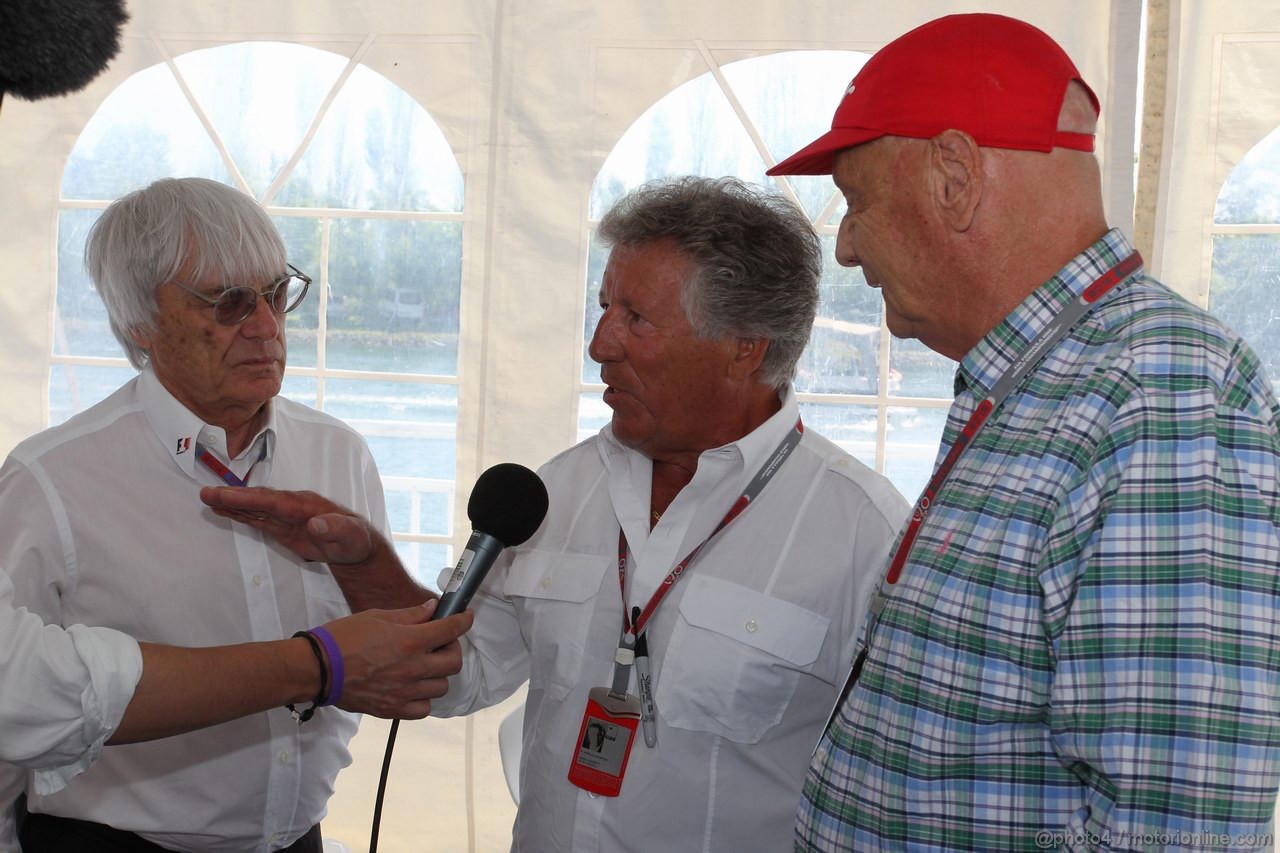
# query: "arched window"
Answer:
x=1244 y=282
x=368 y=196
x=883 y=400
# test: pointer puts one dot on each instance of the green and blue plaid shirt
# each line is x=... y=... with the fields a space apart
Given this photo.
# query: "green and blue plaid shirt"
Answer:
x=1083 y=650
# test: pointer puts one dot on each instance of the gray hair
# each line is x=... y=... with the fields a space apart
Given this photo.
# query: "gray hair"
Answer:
x=194 y=226
x=756 y=259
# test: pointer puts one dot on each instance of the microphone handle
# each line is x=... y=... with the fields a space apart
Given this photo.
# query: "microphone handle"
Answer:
x=479 y=556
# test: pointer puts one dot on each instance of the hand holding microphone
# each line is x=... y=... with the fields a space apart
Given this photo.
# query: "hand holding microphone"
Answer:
x=397 y=661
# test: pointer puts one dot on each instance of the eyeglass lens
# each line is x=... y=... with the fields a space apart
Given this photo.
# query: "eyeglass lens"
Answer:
x=237 y=303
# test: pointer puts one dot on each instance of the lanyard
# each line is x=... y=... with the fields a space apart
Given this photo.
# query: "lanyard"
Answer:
x=215 y=465
x=758 y=482
x=631 y=629
x=1026 y=363
x=224 y=473
x=1051 y=335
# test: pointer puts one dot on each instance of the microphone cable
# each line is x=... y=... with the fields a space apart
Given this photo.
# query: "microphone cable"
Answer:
x=382 y=787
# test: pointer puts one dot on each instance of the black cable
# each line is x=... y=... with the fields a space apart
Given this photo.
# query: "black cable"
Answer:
x=382 y=786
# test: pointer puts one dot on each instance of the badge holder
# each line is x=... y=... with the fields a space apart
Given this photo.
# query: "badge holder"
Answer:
x=608 y=729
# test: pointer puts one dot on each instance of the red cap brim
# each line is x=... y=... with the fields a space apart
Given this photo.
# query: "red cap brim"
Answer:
x=819 y=156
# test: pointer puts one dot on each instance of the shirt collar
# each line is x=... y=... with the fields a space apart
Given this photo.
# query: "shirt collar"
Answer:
x=756 y=446
x=983 y=366
x=179 y=430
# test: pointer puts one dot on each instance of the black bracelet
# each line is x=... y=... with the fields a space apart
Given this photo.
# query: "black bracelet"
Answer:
x=303 y=716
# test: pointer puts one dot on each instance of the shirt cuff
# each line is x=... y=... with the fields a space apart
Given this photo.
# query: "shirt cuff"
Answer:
x=114 y=664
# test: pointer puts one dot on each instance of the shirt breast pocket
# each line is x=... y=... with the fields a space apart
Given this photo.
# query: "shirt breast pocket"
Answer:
x=734 y=660
x=554 y=595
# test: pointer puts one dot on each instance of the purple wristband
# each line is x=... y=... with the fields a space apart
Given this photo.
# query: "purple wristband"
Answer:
x=336 y=671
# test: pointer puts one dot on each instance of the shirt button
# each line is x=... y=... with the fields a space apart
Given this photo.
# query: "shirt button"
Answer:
x=284 y=756
x=257 y=580
x=751 y=626
x=546 y=583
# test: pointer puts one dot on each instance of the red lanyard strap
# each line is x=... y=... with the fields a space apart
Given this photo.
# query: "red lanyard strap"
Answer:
x=757 y=484
x=215 y=465
x=224 y=473
x=1023 y=367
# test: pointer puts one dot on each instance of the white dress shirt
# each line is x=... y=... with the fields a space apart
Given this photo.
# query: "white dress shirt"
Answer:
x=747 y=651
x=102 y=524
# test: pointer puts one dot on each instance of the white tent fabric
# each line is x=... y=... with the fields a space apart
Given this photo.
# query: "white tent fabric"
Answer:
x=1222 y=100
x=532 y=95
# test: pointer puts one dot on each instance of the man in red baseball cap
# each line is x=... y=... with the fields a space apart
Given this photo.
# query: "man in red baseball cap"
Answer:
x=1074 y=644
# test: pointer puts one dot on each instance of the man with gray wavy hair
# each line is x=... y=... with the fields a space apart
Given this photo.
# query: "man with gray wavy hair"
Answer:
x=686 y=612
x=755 y=261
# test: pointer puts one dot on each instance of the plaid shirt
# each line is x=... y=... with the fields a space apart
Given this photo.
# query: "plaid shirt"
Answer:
x=1083 y=650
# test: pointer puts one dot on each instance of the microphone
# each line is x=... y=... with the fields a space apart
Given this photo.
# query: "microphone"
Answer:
x=54 y=47
x=506 y=507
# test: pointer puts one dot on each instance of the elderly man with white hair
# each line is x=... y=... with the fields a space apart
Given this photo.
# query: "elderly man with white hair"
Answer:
x=102 y=525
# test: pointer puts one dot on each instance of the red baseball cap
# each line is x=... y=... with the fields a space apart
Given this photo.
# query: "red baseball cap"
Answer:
x=998 y=79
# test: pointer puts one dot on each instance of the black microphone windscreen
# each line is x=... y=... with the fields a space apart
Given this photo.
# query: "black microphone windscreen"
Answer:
x=508 y=502
x=52 y=47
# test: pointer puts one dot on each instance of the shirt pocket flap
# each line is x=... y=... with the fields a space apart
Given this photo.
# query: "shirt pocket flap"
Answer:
x=780 y=628
x=556 y=576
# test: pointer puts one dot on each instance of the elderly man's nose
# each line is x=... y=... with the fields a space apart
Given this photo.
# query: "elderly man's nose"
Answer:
x=263 y=321
x=604 y=340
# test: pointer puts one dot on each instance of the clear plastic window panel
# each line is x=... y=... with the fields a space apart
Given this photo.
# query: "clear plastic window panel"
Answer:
x=1244 y=292
x=393 y=297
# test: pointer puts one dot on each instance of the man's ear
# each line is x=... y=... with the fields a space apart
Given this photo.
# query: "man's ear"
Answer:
x=141 y=337
x=747 y=357
x=955 y=164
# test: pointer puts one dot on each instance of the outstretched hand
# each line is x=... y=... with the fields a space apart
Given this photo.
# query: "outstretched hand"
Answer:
x=315 y=528
x=397 y=661
x=310 y=525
